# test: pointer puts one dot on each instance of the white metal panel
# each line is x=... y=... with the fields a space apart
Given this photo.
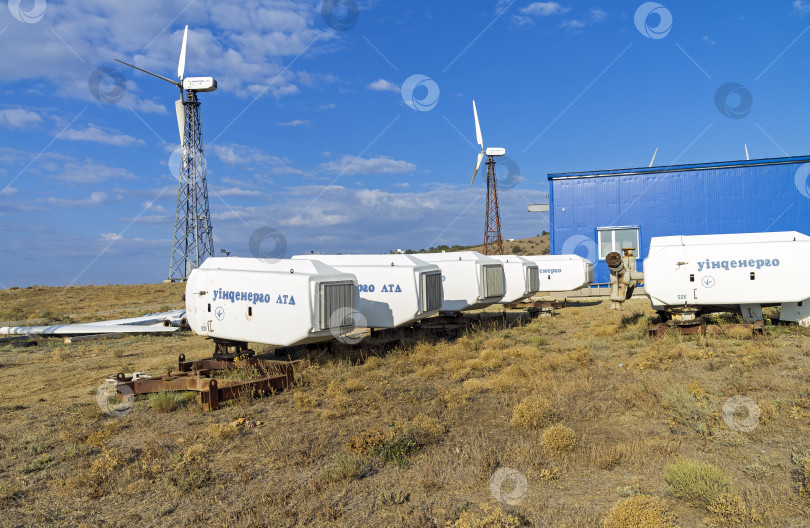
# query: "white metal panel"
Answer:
x=463 y=279
x=271 y=301
x=736 y=269
x=389 y=286
x=518 y=277
x=560 y=273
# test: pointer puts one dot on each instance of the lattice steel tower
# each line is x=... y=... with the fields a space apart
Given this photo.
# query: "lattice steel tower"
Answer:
x=192 y=241
x=493 y=243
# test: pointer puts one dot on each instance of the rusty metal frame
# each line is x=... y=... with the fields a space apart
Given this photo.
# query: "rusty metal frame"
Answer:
x=537 y=304
x=658 y=330
x=197 y=376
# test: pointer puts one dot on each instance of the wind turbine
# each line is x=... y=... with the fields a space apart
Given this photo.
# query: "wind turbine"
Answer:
x=193 y=239
x=493 y=243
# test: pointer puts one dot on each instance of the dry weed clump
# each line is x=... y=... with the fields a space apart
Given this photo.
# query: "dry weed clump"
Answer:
x=729 y=509
x=640 y=511
x=696 y=482
x=806 y=478
x=739 y=333
x=429 y=428
x=487 y=517
x=305 y=400
x=222 y=431
x=691 y=408
x=533 y=412
x=191 y=470
x=393 y=445
x=345 y=466
x=559 y=438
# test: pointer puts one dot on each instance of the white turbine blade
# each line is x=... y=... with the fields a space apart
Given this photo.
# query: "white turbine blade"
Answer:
x=180 y=110
x=746 y=151
x=181 y=66
x=477 y=128
x=653 y=158
x=477 y=164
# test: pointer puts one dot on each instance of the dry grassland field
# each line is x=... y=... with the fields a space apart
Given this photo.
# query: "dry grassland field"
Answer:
x=576 y=420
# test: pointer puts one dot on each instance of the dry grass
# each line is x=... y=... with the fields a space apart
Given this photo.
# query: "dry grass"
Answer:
x=559 y=439
x=533 y=412
x=411 y=436
x=640 y=511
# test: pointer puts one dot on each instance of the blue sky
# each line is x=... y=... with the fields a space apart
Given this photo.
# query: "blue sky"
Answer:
x=311 y=132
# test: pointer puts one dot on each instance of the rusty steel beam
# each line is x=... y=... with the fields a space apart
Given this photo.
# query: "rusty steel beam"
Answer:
x=198 y=376
x=658 y=330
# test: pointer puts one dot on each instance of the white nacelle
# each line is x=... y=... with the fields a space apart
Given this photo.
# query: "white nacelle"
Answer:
x=522 y=278
x=495 y=151
x=560 y=273
x=393 y=289
x=470 y=280
x=744 y=271
x=200 y=84
x=276 y=302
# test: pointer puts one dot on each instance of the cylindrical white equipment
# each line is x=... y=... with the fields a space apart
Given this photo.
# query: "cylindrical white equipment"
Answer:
x=277 y=302
x=393 y=290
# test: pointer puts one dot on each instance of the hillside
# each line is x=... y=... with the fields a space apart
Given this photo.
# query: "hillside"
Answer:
x=574 y=420
x=538 y=245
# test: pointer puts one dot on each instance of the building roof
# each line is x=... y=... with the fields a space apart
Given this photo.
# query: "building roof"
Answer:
x=680 y=168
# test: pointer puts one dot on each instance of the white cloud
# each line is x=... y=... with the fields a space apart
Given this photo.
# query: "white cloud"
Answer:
x=595 y=16
x=381 y=85
x=150 y=205
x=8 y=191
x=351 y=165
x=19 y=118
x=572 y=24
x=294 y=123
x=88 y=171
x=247 y=46
x=96 y=198
x=234 y=191
x=111 y=236
x=234 y=154
x=98 y=135
x=542 y=9
x=801 y=6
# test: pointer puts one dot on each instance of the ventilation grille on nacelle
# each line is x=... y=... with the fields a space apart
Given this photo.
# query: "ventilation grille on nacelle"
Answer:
x=534 y=279
x=431 y=291
x=337 y=304
x=493 y=281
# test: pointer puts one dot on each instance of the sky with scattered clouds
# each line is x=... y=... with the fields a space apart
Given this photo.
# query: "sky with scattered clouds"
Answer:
x=347 y=125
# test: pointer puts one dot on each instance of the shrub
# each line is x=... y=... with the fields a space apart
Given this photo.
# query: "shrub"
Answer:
x=488 y=517
x=345 y=466
x=222 y=431
x=533 y=412
x=639 y=511
x=806 y=480
x=686 y=409
x=164 y=401
x=559 y=438
x=728 y=510
x=696 y=482
x=428 y=427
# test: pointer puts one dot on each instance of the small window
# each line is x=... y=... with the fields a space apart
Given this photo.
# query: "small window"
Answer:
x=209 y=307
x=753 y=276
x=692 y=277
x=250 y=311
x=617 y=238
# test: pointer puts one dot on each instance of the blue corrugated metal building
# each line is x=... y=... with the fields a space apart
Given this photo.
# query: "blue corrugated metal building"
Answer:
x=594 y=213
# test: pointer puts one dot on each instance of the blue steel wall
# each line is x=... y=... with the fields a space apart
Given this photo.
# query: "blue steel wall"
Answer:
x=742 y=199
